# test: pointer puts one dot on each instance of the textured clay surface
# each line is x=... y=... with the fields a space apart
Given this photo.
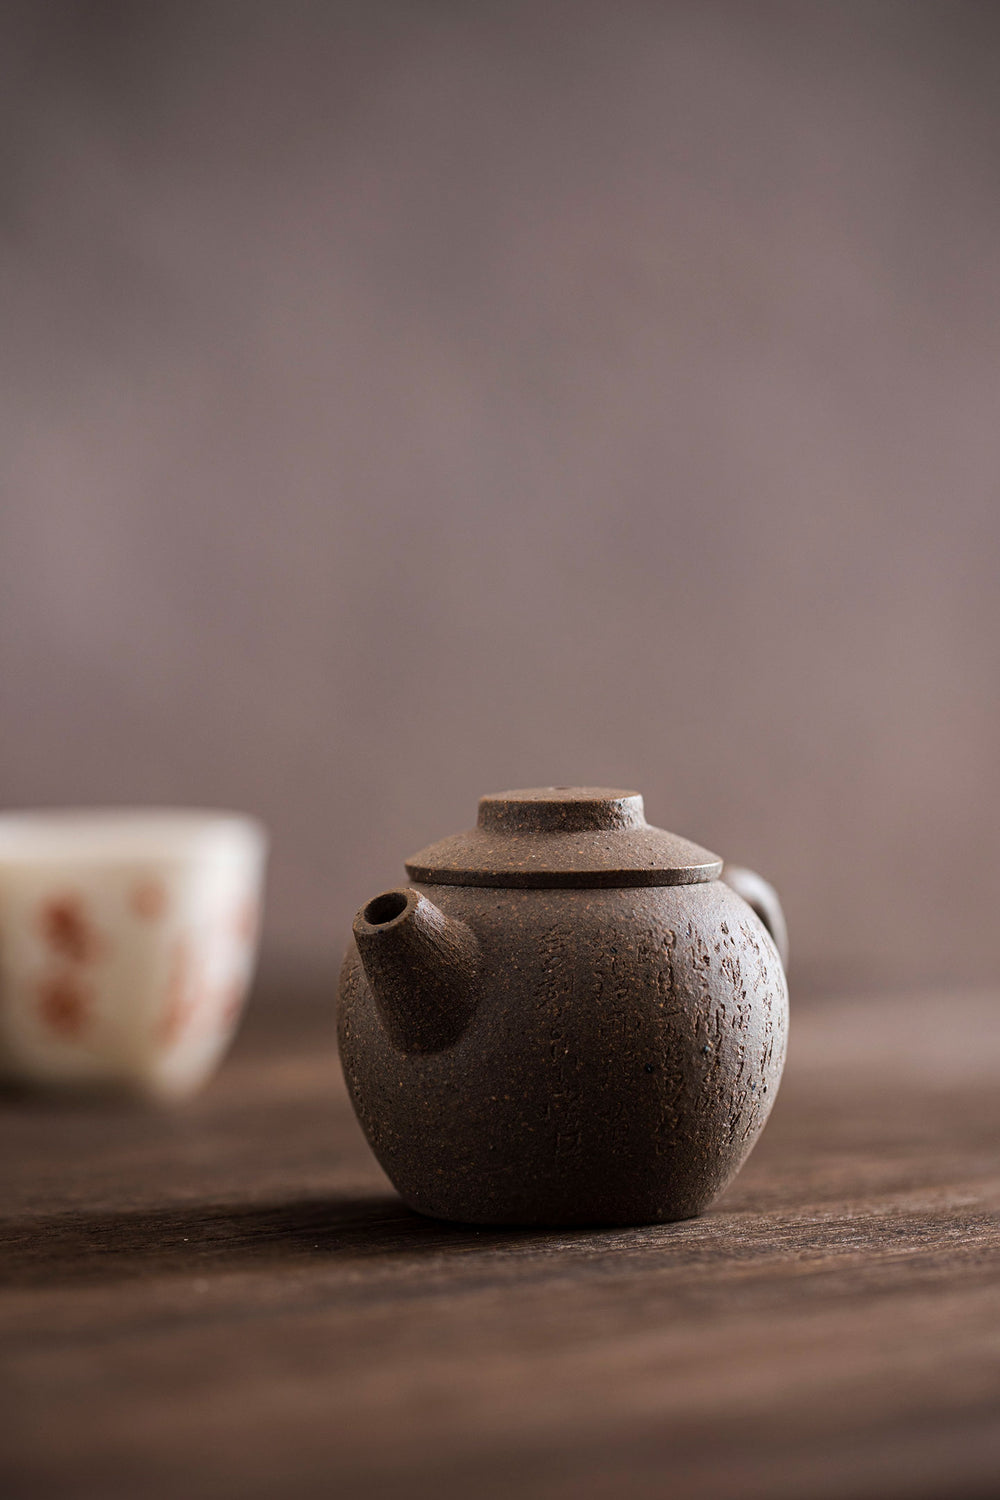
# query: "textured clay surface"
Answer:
x=620 y=1056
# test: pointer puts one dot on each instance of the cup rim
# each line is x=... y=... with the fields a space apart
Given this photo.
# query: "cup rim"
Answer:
x=105 y=835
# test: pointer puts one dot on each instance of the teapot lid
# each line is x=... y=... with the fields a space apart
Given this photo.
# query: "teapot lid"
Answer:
x=563 y=836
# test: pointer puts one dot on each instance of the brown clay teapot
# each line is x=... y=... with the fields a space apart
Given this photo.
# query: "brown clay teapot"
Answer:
x=567 y=1018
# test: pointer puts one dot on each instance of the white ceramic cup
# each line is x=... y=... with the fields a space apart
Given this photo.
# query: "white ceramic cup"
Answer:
x=127 y=945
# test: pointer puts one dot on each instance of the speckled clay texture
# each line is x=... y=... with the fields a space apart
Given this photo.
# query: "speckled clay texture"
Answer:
x=617 y=1056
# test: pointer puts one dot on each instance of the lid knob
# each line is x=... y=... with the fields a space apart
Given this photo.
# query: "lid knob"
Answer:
x=562 y=809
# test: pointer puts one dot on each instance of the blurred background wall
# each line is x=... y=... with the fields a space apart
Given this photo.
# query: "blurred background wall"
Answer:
x=402 y=402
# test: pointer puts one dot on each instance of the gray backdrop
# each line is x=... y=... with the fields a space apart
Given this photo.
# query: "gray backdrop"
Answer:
x=407 y=401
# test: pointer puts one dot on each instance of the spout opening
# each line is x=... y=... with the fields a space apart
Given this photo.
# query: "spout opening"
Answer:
x=386 y=908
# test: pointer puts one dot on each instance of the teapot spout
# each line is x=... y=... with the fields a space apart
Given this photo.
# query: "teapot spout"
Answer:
x=421 y=967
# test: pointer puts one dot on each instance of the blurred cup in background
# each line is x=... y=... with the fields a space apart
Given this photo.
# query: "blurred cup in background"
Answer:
x=127 y=945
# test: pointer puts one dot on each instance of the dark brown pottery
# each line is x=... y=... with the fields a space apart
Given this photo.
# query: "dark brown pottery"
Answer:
x=567 y=1018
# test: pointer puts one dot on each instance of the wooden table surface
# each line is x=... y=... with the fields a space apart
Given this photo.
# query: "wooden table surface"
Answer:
x=227 y=1300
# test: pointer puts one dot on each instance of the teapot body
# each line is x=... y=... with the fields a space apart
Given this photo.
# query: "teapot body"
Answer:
x=622 y=1052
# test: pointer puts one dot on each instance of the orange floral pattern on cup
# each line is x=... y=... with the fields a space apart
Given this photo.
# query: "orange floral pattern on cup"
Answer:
x=68 y=930
x=148 y=899
x=65 y=1004
x=182 y=995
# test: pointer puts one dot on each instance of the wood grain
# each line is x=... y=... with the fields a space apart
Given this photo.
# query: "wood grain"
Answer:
x=229 y=1301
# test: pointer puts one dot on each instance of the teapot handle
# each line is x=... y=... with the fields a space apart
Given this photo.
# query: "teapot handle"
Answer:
x=761 y=896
